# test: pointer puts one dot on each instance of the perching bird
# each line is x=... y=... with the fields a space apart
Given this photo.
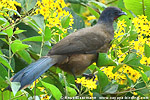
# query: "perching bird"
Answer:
x=75 y=52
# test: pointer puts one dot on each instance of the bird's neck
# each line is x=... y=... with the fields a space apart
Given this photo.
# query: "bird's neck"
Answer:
x=107 y=25
x=106 y=20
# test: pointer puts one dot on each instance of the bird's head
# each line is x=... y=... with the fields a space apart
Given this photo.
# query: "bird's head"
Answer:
x=110 y=14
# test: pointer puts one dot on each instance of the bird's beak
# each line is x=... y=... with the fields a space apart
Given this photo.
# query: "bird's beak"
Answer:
x=122 y=13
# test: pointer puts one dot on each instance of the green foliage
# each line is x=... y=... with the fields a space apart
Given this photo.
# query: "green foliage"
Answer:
x=15 y=87
x=112 y=89
x=93 y=12
x=103 y=60
x=19 y=31
x=65 y=22
x=5 y=62
x=2 y=21
x=138 y=7
x=71 y=92
x=17 y=45
x=34 y=38
x=103 y=79
x=53 y=89
x=146 y=50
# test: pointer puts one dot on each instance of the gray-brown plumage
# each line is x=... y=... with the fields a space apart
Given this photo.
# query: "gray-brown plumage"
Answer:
x=75 y=52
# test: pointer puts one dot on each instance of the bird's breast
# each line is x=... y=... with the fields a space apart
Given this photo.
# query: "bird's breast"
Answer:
x=77 y=63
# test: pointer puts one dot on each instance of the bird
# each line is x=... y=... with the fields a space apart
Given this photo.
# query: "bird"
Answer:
x=75 y=52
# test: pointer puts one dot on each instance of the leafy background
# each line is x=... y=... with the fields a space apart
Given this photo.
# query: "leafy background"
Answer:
x=26 y=34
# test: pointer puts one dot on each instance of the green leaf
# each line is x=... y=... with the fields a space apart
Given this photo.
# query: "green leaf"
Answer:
x=47 y=34
x=2 y=21
x=99 y=5
x=129 y=83
x=53 y=89
x=116 y=68
x=132 y=59
x=2 y=33
x=9 y=30
x=138 y=7
x=36 y=22
x=52 y=79
x=145 y=68
x=3 y=83
x=121 y=4
x=1 y=52
x=133 y=35
x=5 y=62
x=71 y=92
x=15 y=11
x=19 y=31
x=112 y=89
x=15 y=87
x=30 y=92
x=3 y=72
x=103 y=60
x=102 y=78
x=6 y=95
x=3 y=39
x=65 y=21
x=147 y=50
x=78 y=21
x=25 y=55
x=144 y=76
x=93 y=12
x=34 y=38
x=17 y=46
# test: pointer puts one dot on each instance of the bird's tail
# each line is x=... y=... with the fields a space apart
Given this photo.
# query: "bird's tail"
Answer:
x=30 y=73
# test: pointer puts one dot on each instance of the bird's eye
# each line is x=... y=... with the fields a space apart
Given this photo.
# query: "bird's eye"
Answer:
x=116 y=12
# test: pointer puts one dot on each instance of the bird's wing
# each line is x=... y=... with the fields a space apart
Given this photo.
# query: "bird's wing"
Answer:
x=82 y=41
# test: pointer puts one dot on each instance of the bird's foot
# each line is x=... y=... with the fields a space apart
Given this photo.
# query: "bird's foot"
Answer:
x=90 y=76
x=78 y=85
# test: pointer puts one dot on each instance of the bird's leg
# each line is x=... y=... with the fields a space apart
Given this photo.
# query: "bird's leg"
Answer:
x=78 y=85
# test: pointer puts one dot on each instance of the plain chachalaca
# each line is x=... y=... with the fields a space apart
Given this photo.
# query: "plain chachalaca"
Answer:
x=75 y=52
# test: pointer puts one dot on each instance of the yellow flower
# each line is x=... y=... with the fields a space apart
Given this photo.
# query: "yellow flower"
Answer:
x=88 y=83
x=53 y=11
x=79 y=80
x=41 y=88
x=134 y=93
x=40 y=31
x=17 y=28
x=91 y=94
x=9 y=4
x=91 y=17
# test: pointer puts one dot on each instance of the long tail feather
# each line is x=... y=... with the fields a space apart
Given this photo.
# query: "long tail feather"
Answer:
x=30 y=73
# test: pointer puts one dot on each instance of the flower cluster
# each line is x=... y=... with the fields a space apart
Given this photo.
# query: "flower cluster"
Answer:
x=9 y=4
x=120 y=76
x=90 y=84
x=119 y=33
x=142 y=26
x=43 y=96
x=53 y=11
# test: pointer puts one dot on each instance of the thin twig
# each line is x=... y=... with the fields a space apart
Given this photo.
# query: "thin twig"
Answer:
x=143 y=7
x=126 y=91
x=65 y=83
x=35 y=91
x=111 y=2
x=2 y=95
x=17 y=21
x=17 y=96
